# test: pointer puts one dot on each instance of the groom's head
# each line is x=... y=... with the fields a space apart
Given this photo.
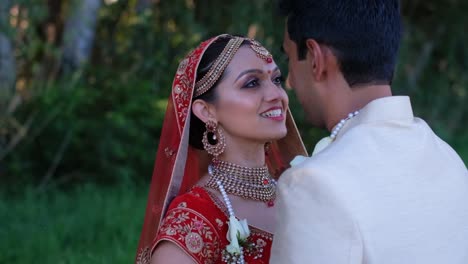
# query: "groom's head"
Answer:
x=331 y=41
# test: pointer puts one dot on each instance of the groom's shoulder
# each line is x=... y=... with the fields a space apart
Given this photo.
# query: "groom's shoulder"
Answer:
x=318 y=168
x=339 y=162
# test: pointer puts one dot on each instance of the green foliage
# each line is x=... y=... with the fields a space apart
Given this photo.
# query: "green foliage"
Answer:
x=432 y=67
x=84 y=225
x=102 y=123
x=89 y=133
x=146 y=46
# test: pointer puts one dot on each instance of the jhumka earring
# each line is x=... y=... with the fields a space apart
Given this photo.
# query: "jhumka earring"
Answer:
x=213 y=139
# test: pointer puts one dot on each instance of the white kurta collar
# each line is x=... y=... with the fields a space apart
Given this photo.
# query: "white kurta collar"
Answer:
x=382 y=109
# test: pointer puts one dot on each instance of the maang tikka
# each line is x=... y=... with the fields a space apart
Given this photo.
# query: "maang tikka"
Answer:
x=213 y=139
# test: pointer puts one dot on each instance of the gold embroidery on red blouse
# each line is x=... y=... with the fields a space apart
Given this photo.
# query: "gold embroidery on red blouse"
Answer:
x=191 y=231
x=144 y=256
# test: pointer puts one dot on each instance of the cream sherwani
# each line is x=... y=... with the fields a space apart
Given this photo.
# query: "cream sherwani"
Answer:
x=386 y=191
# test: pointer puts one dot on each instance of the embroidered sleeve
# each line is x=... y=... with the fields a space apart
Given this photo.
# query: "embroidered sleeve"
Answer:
x=192 y=232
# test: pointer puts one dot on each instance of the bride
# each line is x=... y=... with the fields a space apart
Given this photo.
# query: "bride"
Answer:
x=227 y=136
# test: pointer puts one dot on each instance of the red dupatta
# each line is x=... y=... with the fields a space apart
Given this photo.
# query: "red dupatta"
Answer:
x=179 y=166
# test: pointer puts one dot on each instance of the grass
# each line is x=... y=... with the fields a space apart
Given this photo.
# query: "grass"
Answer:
x=86 y=225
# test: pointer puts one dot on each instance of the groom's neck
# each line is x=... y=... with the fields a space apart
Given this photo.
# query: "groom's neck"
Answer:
x=354 y=99
x=362 y=95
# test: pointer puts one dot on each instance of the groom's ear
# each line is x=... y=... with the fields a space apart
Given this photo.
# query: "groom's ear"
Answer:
x=316 y=58
x=203 y=110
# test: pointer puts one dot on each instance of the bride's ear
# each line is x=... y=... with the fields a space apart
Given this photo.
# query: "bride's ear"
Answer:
x=203 y=110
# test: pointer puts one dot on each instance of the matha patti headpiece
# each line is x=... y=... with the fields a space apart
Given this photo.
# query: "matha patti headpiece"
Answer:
x=220 y=64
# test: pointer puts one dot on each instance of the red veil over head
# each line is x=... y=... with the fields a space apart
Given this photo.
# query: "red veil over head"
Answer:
x=178 y=166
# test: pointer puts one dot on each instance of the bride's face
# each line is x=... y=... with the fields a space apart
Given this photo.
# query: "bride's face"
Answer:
x=251 y=102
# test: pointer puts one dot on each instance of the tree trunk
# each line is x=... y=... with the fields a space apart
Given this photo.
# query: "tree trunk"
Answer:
x=7 y=58
x=79 y=33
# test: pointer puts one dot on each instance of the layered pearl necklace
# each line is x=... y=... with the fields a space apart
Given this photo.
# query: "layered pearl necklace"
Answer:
x=249 y=183
x=324 y=142
x=240 y=259
x=340 y=125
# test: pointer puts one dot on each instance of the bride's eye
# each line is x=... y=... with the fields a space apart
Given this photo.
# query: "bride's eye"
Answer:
x=278 y=80
x=252 y=83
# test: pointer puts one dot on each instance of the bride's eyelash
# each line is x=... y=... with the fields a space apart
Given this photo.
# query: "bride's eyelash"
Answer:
x=251 y=83
x=254 y=82
x=279 y=80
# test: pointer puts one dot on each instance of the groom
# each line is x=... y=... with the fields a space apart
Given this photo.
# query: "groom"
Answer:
x=383 y=188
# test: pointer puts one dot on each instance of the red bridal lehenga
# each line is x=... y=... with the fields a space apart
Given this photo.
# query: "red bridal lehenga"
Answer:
x=196 y=222
x=192 y=217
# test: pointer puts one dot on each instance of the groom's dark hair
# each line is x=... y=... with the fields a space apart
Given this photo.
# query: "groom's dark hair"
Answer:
x=364 y=35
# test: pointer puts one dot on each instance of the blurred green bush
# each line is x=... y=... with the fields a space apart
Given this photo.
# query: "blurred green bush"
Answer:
x=105 y=134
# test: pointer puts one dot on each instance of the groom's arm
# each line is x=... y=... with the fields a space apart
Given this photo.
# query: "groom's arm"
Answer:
x=312 y=224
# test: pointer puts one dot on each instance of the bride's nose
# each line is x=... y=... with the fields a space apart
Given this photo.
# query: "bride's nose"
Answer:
x=275 y=93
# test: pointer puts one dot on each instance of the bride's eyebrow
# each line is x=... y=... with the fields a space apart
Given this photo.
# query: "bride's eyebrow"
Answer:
x=254 y=71
x=247 y=72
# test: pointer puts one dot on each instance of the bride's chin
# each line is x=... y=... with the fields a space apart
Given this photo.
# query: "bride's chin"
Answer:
x=282 y=133
x=277 y=136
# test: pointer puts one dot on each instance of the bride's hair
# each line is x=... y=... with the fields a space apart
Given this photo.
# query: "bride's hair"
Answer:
x=197 y=127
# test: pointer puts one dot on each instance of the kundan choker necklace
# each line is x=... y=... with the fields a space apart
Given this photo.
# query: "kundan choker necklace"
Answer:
x=249 y=183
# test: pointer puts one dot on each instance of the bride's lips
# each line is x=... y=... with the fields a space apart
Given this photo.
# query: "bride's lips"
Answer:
x=274 y=113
